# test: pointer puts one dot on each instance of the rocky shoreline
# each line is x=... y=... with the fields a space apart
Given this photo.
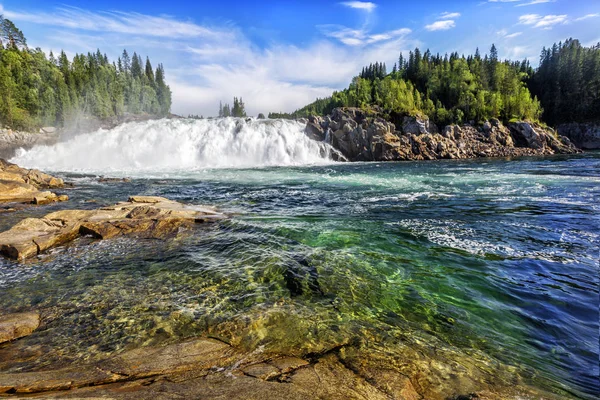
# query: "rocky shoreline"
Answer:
x=585 y=135
x=27 y=186
x=213 y=369
x=361 y=136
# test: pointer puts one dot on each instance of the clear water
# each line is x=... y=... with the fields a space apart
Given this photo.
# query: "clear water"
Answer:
x=498 y=257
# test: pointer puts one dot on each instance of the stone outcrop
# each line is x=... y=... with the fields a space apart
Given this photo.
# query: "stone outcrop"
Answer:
x=585 y=136
x=142 y=215
x=21 y=185
x=359 y=136
x=15 y=326
x=213 y=369
x=11 y=140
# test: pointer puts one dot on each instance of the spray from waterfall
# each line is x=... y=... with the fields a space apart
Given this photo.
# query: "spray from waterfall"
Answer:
x=181 y=144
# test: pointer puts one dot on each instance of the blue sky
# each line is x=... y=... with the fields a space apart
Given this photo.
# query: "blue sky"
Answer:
x=281 y=55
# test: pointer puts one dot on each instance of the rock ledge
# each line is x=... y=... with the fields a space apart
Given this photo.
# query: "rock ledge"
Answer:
x=147 y=216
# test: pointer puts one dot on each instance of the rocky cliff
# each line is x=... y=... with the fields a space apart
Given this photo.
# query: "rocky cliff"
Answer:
x=359 y=136
x=585 y=136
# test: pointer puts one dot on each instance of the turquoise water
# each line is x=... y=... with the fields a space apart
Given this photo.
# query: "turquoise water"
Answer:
x=496 y=257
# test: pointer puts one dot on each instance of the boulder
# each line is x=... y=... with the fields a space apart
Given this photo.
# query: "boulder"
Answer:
x=147 y=216
x=48 y=129
x=21 y=185
x=15 y=326
x=418 y=126
x=526 y=135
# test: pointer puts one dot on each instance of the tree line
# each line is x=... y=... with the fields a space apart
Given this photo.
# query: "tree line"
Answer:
x=238 y=109
x=37 y=90
x=567 y=82
x=475 y=88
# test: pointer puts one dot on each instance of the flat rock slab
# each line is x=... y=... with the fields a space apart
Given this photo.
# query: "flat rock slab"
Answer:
x=146 y=216
x=205 y=368
x=21 y=185
x=14 y=326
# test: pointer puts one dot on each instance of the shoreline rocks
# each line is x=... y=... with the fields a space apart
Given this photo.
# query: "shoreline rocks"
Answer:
x=217 y=370
x=15 y=326
x=359 y=136
x=11 y=140
x=585 y=135
x=147 y=216
x=21 y=185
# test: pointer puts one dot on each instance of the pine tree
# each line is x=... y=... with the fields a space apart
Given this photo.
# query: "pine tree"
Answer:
x=149 y=72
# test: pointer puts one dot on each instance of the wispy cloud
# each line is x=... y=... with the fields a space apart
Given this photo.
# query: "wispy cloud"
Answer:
x=115 y=21
x=360 y=5
x=513 y=35
x=445 y=21
x=529 y=3
x=360 y=37
x=545 y=21
x=588 y=16
x=441 y=25
x=449 y=15
x=534 y=2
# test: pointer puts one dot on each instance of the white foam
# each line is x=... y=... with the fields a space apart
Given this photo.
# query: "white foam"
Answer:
x=180 y=145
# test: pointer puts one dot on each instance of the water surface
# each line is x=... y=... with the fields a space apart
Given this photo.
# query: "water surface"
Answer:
x=498 y=257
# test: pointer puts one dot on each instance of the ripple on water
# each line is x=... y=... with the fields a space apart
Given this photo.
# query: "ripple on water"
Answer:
x=496 y=259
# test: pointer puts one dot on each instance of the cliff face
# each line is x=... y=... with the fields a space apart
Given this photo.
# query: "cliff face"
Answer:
x=585 y=136
x=362 y=137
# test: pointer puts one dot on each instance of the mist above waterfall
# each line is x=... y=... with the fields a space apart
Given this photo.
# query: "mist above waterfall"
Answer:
x=180 y=144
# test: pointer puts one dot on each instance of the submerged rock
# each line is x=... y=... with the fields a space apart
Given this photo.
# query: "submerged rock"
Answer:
x=359 y=136
x=143 y=215
x=21 y=185
x=217 y=370
x=15 y=326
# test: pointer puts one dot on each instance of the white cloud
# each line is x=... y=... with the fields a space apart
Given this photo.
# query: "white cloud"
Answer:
x=441 y=25
x=449 y=15
x=539 y=21
x=533 y=2
x=116 y=21
x=360 y=37
x=360 y=5
x=513 y=35
x=206 y=64
x=588 y=16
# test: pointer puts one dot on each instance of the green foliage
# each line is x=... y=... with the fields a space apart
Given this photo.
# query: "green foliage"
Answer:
x=449 y=89
x=567 y=82
x=238 y=109
x=35 y=90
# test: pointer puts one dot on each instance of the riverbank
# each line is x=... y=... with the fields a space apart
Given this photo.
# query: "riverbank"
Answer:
x=359 y=135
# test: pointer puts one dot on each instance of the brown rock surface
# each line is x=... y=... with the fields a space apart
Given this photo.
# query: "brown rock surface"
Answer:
x=14 y=326
x=142 y=215
x=21 y=185
x=361 y=137
x=210 y=369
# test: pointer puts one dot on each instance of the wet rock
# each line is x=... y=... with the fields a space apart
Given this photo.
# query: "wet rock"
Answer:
x=20 y=185
x=262 y=371
x=15 y=326
x=146 y=216
x=113 y=180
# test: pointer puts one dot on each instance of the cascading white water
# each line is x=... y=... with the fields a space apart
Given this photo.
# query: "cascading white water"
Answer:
x=180 y=144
